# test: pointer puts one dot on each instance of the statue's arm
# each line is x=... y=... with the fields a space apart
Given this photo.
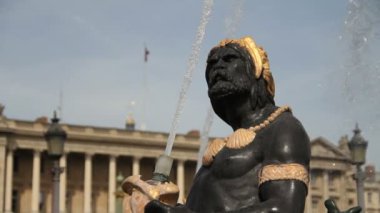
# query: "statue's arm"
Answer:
x=285 y=172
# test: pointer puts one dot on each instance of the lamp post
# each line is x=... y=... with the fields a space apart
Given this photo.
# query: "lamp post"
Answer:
x=119 y=193
x=358 y=147
x=55 y=137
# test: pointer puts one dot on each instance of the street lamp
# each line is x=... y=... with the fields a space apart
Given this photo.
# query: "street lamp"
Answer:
x=358 y=147
x=119 y=193
x=55 y=137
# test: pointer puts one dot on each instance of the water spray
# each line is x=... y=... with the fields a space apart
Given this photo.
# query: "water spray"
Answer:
x=164 y=162
x=232 y=22
x=205 y=136
x=360 y=71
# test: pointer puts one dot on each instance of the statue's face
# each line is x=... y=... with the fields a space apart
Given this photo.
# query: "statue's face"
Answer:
x=226 y=73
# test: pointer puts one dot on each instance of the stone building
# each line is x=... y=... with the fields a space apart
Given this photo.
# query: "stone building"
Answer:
x=331 y=176
x=95 y=155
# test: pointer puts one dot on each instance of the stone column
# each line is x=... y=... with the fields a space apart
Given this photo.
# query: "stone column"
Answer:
x=308 y=202
x=325 y=185
x=2 y=171
x=62 y=184
x=181 y=180
x=111 y=184
x=136 y=166
x=342 y=190
x=36 y=181
x=9 y=181
x=87 y=183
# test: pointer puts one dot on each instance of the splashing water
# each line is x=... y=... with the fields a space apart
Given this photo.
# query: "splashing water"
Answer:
x=192 y=62
x=205 y=136
x=361 y=71
x=232 y=22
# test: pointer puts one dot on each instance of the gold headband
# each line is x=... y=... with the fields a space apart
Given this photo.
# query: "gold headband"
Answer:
x=259 y=58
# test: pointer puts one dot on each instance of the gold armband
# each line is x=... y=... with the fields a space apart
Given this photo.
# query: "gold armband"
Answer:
x=288 y=171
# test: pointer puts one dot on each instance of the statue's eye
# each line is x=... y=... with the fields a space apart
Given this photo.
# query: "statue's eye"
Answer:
x=229 y=58
x=212 y=61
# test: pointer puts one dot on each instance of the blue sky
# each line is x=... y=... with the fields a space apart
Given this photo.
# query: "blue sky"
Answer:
x=93 y=52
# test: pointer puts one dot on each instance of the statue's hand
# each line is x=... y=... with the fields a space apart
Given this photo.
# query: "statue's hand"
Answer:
x=332 y=208
x=140 y=192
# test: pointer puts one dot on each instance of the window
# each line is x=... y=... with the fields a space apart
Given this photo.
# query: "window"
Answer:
x=313 y=177
x=15 y=164
x=15 y=201
x=42 y=202
x=315 y=204
x=369 y=197
x=350 y=202
x=331 y=179
x=42 y=165
x=68 y=201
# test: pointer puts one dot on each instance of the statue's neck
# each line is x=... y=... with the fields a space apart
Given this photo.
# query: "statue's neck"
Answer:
x=239 y=113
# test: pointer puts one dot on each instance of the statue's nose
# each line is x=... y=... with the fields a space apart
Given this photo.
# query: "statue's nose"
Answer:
x=220 y=64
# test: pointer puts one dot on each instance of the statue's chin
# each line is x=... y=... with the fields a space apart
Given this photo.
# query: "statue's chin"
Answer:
x=222 y=90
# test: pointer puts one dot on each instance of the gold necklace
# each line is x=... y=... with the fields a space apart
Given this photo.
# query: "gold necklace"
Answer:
x=239 y=138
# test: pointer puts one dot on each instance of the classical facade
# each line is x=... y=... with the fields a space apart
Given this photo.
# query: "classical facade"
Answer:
x=95 y=155
x=331 y=176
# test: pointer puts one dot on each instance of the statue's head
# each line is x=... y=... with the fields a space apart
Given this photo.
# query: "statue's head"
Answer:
x=239 y=68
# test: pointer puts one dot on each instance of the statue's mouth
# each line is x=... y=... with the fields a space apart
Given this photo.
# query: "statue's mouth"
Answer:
x=217 y=77
x=220 y=85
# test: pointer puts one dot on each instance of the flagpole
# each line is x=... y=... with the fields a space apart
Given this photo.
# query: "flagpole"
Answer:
x=145 y=85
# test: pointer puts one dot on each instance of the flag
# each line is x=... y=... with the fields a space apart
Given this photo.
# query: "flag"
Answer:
x=146 y=53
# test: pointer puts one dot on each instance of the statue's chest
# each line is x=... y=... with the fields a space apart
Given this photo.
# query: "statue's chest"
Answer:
x=230 y=182
x=234 y=163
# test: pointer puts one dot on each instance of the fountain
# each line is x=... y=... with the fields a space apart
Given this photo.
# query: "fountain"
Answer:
x=159 y=186
x=242 y=173
x=192 y=62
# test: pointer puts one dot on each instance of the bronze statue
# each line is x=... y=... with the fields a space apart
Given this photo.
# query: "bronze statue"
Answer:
x=264 y=165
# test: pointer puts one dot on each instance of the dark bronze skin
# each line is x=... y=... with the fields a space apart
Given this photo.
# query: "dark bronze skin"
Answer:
x=230 y=183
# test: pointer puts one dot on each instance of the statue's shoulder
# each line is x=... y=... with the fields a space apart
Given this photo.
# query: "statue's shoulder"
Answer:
x=289 y=140
x=287 y=118
x=288 y=124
